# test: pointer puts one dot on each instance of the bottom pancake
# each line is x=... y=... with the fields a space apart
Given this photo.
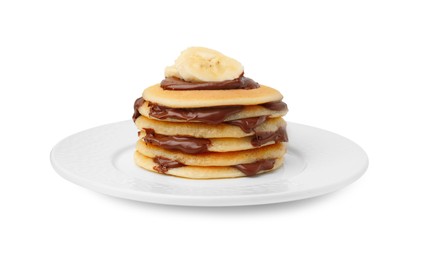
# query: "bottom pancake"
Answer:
x=205 y=172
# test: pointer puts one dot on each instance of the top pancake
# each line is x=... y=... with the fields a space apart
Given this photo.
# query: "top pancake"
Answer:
x=210 y=98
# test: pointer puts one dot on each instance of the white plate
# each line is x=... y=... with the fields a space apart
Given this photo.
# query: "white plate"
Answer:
x=101 y=159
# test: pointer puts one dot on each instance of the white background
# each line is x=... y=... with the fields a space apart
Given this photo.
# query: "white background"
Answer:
x=356 y=68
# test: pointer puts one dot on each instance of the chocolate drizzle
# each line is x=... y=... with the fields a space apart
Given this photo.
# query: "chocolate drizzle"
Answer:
x=276 y=105
x=138 y=103
x=184 y=144
x=209 y=115
x=165 y=164
x=251 y=169
x=248 y=124
x=261 y=138
x=241 y=82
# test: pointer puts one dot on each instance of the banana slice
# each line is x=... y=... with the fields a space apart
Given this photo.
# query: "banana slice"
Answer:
x=198 y=64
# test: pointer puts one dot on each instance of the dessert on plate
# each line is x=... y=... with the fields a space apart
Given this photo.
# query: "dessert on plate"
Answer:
x=206 y=120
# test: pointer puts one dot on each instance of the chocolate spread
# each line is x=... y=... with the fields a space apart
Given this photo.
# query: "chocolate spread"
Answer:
x=165 y=164
x=248 y=124
x=276 y=105
x=184 y=144
x=241 y=82
x=261 y=138
x=251 y=169
x=193 y=145
x=209 y=115
x=138 y=103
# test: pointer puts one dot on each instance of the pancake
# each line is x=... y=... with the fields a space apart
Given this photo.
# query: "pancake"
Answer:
x=201 y=144
x=207 y=120
x=201 y=130
x=210 y=98
x=212 y=158
x=246 y=112
x=199 y=172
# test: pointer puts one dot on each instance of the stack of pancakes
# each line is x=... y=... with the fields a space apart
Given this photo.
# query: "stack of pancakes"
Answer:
x=206 y=134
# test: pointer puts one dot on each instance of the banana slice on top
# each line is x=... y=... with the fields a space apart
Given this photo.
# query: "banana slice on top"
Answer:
x=198 y=64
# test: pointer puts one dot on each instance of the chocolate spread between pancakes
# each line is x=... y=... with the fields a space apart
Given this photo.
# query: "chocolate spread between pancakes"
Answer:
x=249 y=169
x=184 y=144
x=209 y=115
x=261 y=138
x=180 y=84
x=193 y=145
x=276 y=105
x=164 y=164
x=138 y=103
x=248 y=124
